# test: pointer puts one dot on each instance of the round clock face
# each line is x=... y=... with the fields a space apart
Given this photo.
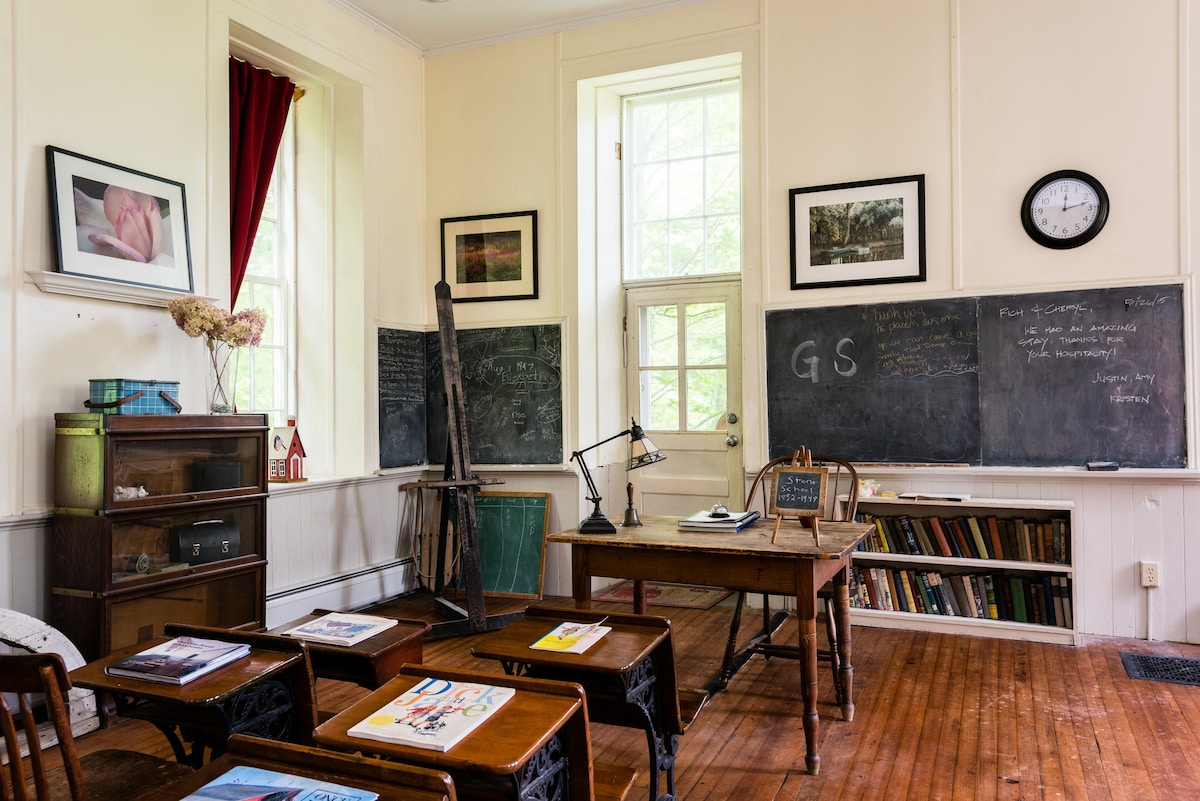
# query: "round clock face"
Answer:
x=1064 y=209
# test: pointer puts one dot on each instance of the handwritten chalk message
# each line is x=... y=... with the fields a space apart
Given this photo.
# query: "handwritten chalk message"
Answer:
x=799 y=489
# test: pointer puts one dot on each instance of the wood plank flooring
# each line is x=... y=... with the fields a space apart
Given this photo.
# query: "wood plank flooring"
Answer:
x=938 y=716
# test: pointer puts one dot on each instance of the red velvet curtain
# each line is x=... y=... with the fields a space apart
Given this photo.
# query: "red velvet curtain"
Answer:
x=258 y=108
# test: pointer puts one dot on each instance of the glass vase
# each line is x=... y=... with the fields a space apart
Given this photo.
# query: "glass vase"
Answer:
x=220 y=389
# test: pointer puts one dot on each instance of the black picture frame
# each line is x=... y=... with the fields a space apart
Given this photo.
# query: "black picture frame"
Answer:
x=491 y=256
x=827 y=250
x=118 y=224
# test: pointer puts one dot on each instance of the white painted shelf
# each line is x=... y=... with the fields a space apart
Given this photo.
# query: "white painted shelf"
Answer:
x=1030 y=511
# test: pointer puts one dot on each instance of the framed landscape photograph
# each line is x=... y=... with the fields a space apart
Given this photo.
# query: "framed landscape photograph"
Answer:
x=865 y=232
x=118 y=224
x=490 y=256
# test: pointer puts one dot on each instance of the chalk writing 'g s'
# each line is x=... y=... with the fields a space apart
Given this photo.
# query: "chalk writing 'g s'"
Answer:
x=843 y=364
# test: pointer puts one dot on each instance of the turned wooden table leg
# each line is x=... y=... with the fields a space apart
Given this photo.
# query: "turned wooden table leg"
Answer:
x=808 y=690
x=841 y=609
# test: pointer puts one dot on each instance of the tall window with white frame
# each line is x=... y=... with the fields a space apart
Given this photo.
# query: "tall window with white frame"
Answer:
x=264 y=374
x=683 y=247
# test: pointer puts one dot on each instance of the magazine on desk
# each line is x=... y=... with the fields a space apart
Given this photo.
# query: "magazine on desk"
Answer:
x=179 y=660
x=434 y=714
x=342 y=628
x=245 y=783
x=572 y=638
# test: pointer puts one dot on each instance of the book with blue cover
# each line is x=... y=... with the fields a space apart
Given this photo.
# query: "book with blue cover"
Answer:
x=245 y=783
x=730 y=521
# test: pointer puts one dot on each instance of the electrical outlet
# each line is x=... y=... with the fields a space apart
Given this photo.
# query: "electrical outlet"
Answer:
x=1149 y=574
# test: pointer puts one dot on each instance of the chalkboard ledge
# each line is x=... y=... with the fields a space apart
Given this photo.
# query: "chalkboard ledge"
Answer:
x=960 y=474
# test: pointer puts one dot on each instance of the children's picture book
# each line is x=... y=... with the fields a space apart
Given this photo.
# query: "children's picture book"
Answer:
x=706 y=521
x=245 y=783
x=434 y=714
x=342 y=628
x=572 y=638
x=179 y=660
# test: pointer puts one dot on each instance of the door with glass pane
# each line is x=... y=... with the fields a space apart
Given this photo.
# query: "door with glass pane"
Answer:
x=684 y=386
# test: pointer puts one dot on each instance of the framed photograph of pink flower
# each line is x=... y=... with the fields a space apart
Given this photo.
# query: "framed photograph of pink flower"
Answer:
x=117 y=224
x=490 y=256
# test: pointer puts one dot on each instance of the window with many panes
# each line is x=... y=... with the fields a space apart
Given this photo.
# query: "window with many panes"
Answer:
x=263 y=374
x=682 y=182
x=683 y=221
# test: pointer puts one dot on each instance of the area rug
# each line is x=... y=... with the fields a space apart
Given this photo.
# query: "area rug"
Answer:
x=1173 y=669
x=684 y=596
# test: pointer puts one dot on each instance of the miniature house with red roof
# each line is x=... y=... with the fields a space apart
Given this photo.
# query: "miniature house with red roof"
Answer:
x=285 y=454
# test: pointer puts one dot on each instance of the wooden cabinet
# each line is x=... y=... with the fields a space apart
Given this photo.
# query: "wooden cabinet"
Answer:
x=1026 y=593
x=158 y=519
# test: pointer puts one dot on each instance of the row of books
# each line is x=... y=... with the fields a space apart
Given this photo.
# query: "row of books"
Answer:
x=1045 y=599
x=971 y=537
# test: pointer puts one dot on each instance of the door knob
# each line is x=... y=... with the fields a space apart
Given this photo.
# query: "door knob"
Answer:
x=731 y=440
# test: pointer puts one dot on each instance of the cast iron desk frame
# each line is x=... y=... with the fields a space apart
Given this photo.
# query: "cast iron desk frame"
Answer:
x=747 y=560
x=537 y=744
x=252 y=695
x=628 y=675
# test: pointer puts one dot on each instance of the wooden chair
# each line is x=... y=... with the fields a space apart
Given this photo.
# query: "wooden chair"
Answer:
x=292 y=693
x=843 y=481
x=111 y=774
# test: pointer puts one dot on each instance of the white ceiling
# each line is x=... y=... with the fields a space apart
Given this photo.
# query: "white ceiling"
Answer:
x=437 y=26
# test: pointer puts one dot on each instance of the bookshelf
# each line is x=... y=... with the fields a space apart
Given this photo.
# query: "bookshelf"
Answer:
x=1035 y=539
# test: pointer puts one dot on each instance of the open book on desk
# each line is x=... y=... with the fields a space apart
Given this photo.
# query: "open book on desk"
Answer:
x=342 y=628
x=572 y=638
x=245 y=783
x=179 y=660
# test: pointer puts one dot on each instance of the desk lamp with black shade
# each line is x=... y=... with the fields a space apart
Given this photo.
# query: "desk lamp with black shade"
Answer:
x=641 y=453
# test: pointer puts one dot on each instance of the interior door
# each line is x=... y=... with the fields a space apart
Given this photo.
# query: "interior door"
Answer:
x=684 y=389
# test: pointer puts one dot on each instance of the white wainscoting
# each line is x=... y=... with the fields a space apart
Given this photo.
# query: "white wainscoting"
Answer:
x=1122 y=518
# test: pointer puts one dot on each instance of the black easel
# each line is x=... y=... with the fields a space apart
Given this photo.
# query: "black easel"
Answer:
x=458 y=483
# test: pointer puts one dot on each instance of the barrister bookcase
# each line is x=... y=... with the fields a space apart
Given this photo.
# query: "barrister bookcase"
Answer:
x=158 y=519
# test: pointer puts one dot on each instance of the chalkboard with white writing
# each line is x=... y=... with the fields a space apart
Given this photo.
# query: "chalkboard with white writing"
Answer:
x=402 y=419
x=1035 y=380
x=799 y=489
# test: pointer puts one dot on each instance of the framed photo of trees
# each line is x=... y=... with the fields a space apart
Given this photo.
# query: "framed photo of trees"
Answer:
x=865 y=232
x=490 y=256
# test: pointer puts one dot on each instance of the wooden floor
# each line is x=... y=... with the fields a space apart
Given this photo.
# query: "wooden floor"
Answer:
x=938 y=717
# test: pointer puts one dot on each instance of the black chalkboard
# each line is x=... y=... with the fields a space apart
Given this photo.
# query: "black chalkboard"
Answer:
x=512 y=386
x=1038 y=380
x=402 y=390
x=799 y=489
x=1093 y=375
x=512 y=541
x=892 y=382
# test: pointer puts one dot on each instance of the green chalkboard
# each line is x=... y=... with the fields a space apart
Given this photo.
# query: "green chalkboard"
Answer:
x=512 y=542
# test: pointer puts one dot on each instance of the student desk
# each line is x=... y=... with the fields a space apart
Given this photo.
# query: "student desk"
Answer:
x=368 y=663
x=745 y=560
x=536 y=746
x=268 y=693
x=629 y=676
x=393 y=781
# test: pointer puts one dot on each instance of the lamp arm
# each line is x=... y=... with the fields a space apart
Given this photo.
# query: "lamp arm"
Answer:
x=577 y=456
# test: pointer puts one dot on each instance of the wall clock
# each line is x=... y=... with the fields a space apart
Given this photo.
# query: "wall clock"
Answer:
x=1064 y=209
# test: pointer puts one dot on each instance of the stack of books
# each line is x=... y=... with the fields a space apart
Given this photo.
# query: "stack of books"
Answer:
x=179 y=660
x=706 y=521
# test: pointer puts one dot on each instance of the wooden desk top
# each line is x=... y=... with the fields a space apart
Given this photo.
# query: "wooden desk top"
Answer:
x=619 y=651
x=500 y=746
x=212 y=688
x=660 y=533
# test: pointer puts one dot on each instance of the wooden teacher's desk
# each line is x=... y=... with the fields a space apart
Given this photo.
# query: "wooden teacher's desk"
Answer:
x=746 y=560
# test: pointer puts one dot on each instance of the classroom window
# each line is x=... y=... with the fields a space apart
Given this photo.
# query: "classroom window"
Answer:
x=264 y=378
x=682 y=182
